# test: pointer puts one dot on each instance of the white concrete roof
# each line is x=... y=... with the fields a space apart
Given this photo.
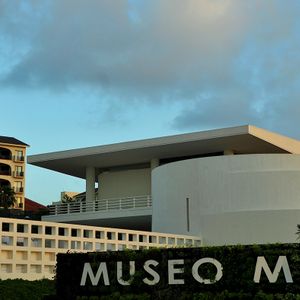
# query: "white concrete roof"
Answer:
x=242 y=139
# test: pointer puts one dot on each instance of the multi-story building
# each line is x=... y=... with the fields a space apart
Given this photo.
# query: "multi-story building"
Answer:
x=237 y=185
x=28 y=248
x=12 y=167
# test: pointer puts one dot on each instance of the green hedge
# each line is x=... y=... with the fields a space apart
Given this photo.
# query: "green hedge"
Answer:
x=237 y=282
x=26 y=290
x=198 y=296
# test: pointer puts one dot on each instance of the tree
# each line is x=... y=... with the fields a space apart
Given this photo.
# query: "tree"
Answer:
x=298 y=231
x=7 y=197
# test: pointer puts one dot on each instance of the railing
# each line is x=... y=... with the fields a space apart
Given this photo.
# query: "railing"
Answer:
x=18 y=189
x=18 y=174
x=7 y=157
x=18 y=158
x=5 y=172
x=101 y=205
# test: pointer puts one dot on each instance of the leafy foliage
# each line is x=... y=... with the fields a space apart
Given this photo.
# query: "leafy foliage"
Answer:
x=7 y=197
x=298 y=231
x=237 y=282
x=19 y=289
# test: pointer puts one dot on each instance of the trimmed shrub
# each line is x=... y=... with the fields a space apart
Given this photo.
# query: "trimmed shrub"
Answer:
x=238 y=263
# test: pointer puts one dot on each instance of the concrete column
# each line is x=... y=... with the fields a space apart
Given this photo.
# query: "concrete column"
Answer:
x=154 y=163
x=99 y=186
x=228 y=152
x=90 y=184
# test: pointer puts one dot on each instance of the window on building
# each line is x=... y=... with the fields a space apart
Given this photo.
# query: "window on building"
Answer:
x=35 y=229
x=7 y=240
x=5 y=169
x=87 y=233
x=20 y=228
x=49 y=243
x=61 y=231
x=35 y=242
x=5 y=227
x=18 y=186
x=19 y=171
x=75 y=245
x=111 y=235
x=48 y=230
x=74 y=232
x=21 y=241
x=99 y=234
x=19 y=155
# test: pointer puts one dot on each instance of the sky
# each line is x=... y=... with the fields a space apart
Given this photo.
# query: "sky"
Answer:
x=77 y=73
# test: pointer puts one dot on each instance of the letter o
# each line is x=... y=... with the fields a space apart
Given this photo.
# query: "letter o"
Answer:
x=209 y=260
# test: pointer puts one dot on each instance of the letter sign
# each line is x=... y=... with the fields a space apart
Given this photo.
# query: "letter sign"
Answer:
x=207 y=260
x=282 y=263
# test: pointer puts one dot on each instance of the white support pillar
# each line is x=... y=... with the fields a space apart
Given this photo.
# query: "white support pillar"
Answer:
x=154 y=163
x=90 y=185
x=99 y=186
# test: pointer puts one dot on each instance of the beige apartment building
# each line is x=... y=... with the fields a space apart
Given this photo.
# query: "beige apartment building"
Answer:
x=28 y=248
x=12 y=167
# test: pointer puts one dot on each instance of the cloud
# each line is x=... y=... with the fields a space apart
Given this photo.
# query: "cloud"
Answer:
x=224 y=62
x=98 y=44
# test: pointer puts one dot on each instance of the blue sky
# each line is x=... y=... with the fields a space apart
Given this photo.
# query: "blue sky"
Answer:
x=77 y=73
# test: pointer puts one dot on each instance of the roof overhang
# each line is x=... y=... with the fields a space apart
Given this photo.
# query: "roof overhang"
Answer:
x=243 y=140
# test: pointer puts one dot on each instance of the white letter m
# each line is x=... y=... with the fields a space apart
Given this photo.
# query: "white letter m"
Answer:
x=282 y=263
x=87 y=270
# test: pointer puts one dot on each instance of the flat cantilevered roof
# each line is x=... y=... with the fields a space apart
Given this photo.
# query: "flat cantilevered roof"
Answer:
x=242 y=140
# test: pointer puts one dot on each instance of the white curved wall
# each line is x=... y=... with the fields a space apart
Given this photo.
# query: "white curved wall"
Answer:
x=233 y=199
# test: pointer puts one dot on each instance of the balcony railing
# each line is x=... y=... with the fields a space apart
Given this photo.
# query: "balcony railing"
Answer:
x=101 y=205
x=6 y=157
x=18 y=158
x=18 y=174
x=5 y=172
x=18 y=189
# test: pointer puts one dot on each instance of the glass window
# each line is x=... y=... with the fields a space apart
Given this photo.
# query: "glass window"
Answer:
x=19 y=155
x=20 y=228
x=35 y=229
x=5 y=227
x=48 y=230
x=19 y=170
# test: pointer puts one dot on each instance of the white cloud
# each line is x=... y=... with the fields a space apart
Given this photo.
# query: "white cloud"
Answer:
x=225 y=62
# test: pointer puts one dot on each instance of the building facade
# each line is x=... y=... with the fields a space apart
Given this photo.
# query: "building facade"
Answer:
x=12 y=167
x=28 y=248
x=235 y=185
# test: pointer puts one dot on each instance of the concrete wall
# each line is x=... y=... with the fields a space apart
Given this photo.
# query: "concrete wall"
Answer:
x=232 y=199
x=120 y=184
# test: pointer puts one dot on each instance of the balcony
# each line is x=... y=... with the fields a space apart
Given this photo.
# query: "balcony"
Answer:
x=18 y=174
x=18 y=190
x=5 y=172
x=6 y=157
x=5 y=154
x=133 y=212
x=102 y=205
x=18 y=158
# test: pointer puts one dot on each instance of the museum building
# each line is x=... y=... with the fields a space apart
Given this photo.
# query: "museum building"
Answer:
x=236 y=185
x=228 y=186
